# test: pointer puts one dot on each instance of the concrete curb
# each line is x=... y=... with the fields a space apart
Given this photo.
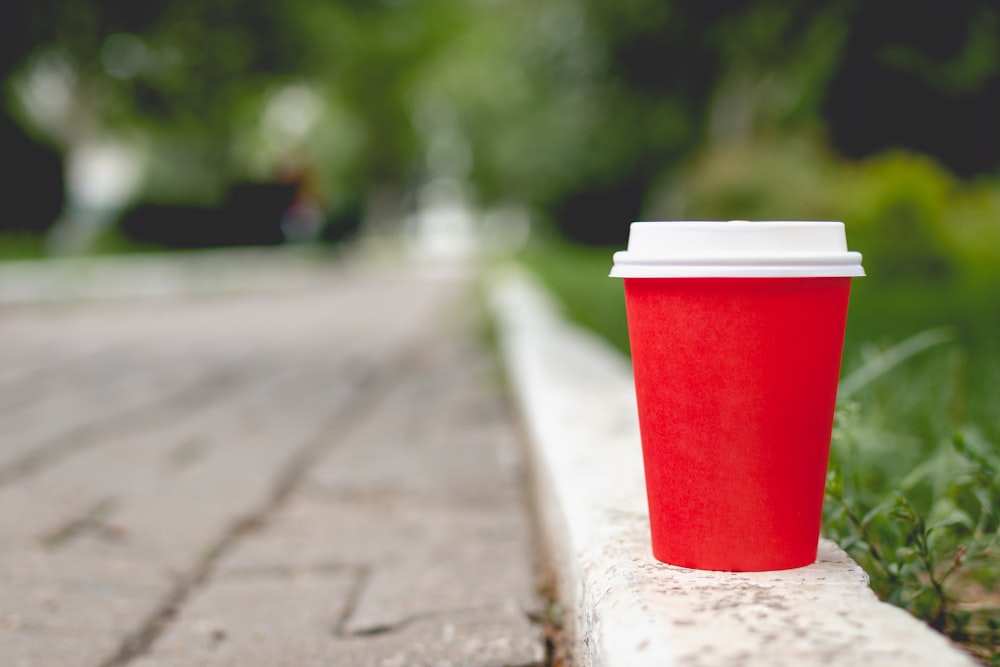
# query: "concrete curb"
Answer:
x=623 y=607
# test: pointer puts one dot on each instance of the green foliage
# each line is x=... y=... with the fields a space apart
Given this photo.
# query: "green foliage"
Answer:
x=940 y=561
x=790 y=177
x=21 y=245
x=914 y=481
x=911 y=218
x=898 y=214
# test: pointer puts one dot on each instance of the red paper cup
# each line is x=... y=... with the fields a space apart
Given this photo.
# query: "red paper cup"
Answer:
x=736 y=330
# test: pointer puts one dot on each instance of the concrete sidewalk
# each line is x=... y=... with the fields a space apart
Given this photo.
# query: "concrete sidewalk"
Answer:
x=324 y=474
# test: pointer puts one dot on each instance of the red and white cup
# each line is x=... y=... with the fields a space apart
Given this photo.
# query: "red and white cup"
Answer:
x=736 y=330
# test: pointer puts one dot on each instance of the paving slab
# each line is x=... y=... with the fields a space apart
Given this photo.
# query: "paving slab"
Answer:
x=325 y=473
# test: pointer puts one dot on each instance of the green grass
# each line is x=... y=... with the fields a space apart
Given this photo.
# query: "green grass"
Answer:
x=914 y=487
x=578 y=276
x=21 y=245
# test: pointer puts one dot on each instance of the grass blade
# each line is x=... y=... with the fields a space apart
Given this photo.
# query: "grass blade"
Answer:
x=881 y=364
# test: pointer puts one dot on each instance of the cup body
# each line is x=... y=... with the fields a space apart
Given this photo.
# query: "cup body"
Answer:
x=736 y=383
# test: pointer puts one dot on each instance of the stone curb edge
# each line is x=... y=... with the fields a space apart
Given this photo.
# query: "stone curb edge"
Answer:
x=624 y=608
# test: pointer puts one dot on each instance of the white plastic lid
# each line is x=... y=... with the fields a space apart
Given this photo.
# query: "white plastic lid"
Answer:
x=736 y=249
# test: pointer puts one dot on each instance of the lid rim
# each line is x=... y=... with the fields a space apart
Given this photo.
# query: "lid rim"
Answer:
x=792 y=248
x=629 y=258
x=704 y=271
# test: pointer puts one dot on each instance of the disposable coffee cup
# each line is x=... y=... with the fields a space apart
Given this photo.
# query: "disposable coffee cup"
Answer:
x=736 y=330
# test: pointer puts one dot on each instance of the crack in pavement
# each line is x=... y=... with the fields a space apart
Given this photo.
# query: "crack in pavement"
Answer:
x=194 y=395
x=257 y=572
x=401 y=624
x=362 y=573
x=91 y=521
x=352 y=412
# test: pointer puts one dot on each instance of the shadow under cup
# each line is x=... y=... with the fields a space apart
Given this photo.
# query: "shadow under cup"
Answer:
x=736 y=385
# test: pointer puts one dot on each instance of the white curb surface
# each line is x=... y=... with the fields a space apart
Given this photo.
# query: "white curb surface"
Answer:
x=623 y=607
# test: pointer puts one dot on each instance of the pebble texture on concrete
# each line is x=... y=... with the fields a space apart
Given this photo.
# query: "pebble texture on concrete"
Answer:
x=321 y=475
x=627 y=609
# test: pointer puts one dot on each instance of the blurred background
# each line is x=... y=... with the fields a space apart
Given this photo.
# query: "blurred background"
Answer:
x=190 y=124
x=548 y=127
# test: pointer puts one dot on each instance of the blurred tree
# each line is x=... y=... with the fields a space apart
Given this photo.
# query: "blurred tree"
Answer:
x=580 y=109
x=777 y=58
x=369 y=57
x=590 y=105
x=168 y=76
x=573 y=106
x=656 y=73
x=195 y=79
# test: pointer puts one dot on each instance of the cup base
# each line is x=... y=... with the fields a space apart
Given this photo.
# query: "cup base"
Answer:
x=739 y=564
